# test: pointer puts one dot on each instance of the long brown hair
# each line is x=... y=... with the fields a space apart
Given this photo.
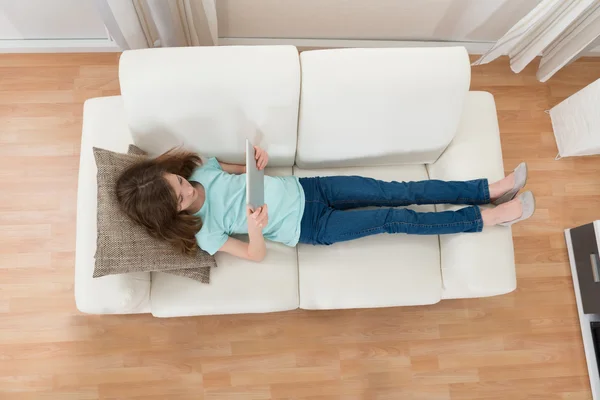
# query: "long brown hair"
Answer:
x=145 y=195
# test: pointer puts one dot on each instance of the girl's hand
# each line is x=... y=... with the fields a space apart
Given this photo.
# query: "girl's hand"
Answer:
x=257 y=219
x=262 y=158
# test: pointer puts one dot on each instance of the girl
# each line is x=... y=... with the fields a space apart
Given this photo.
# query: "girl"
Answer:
x=190 y=204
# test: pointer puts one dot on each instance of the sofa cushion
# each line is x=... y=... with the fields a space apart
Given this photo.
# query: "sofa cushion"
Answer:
x=103 y=126
x=236 y=286
x=482 y=264
x=379 y=106
x=376 y=271
x=210 y=99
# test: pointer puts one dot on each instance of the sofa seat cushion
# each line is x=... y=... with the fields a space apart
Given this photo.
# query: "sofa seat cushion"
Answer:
x=104 y=126
x=376 y=271
x=236 y=286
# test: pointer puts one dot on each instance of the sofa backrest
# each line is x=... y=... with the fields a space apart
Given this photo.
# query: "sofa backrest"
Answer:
x=209 y=99
x=379 y=106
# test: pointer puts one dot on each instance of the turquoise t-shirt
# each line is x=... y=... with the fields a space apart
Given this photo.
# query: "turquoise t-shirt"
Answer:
x=224 y=210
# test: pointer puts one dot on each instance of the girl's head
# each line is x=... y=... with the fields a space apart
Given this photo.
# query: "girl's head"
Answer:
x=156 y=194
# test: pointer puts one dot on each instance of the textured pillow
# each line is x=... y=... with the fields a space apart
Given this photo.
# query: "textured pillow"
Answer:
x=201 y=274
x=136 y=151
x=123 y=246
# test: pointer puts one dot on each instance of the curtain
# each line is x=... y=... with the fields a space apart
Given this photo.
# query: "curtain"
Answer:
x=559 y=30
x=137 y=24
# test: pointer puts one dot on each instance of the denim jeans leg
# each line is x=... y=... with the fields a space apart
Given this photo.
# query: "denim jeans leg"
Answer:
x=339 y=226
x=347 y=192
x=323 y=224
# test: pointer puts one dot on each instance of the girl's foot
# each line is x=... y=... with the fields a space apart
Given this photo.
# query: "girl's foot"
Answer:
x=527 y=203
x=503 y=186
x=510 y=212
x=506 y=189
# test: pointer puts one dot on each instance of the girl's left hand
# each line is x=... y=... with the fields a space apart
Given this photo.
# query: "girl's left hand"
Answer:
x=257 y=219
x=261 y=156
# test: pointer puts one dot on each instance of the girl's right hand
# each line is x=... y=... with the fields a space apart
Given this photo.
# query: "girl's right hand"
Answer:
x=257 y=219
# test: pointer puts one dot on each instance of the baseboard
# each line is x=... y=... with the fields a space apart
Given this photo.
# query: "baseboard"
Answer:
x=108 y=45
x=305 y=44
x=58 y=46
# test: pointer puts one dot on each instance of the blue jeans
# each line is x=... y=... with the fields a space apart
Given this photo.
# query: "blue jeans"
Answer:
x=330 y=215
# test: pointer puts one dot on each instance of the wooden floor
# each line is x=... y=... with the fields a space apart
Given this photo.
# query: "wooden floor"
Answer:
x=525 y=345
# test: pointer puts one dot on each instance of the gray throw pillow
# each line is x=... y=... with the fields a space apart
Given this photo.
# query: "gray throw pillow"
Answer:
x=124 y=246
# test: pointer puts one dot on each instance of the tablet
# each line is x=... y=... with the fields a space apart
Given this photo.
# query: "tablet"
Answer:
x=255 y=180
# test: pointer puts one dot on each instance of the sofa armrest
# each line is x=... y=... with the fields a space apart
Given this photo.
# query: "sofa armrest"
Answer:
x=485 y=261
x=103 y=126
x=475 y=152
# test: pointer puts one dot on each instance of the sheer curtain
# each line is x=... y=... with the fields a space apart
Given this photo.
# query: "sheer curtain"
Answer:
x=136 y=24
x=559 y=30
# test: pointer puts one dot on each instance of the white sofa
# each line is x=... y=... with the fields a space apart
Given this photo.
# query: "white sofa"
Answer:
x=392 y=114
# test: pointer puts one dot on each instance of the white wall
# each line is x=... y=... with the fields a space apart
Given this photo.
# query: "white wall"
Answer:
x=76 y=25
x=50 y=19
x=448 y=20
